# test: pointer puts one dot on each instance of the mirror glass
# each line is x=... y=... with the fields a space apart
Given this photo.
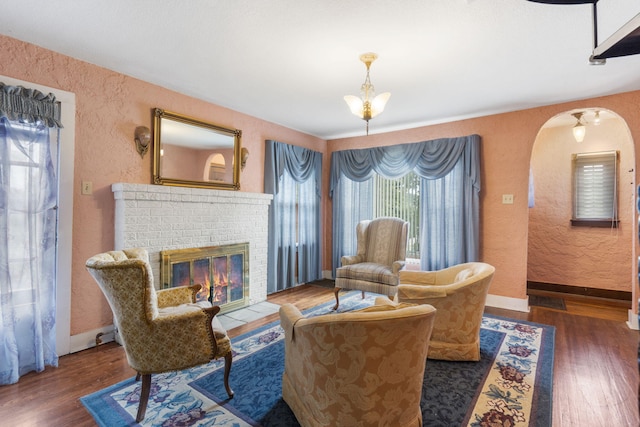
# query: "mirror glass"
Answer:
x=192 y=153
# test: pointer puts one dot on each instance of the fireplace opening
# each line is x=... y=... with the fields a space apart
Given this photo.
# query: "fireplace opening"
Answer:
x=223 y=272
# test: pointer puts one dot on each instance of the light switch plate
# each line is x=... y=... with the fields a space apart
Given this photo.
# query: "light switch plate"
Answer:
x=87 y=187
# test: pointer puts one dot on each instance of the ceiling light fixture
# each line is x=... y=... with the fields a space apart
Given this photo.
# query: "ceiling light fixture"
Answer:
x=368 y=105
x=579 y=129
x=596 y=118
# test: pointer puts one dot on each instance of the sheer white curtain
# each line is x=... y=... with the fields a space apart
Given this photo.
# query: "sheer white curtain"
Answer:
x=28 y=200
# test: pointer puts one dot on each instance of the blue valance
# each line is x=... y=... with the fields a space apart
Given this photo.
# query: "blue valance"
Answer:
x=26 y=105
x=301 y=163
x=429 y=159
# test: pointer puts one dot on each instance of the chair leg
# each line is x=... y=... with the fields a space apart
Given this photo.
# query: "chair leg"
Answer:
x=362 y=294
x=336 y=291
x=144 y=397
x=228 y=359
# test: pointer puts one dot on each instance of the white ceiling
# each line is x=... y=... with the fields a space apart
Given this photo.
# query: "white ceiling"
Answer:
x=292 y=61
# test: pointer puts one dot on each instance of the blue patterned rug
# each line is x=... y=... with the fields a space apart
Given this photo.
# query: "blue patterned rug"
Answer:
x=510 y=385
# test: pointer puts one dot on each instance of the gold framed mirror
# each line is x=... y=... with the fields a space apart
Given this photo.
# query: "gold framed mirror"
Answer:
x=193 y=153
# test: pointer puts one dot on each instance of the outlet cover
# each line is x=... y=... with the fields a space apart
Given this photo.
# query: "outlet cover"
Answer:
x=507 y=199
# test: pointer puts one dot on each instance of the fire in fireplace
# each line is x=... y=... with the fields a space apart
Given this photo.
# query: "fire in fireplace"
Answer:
x=223 y=272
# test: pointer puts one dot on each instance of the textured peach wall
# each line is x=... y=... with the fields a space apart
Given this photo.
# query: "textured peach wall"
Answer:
x=110 y=106
x=579 y=256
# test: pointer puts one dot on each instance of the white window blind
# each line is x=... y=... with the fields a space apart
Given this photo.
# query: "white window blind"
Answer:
x=400 y=198
x=595 y=186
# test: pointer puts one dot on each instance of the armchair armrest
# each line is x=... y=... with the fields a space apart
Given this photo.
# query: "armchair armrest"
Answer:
x=397 y=266
x=351 y=259
x=289 y=315
x=178 y=295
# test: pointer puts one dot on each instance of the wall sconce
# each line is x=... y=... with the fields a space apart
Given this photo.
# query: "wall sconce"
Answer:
x=244 y=155
x=142 y=137
x=579 y=129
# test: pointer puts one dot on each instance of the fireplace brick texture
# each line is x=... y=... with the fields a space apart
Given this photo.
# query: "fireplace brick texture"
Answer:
x=157 y=217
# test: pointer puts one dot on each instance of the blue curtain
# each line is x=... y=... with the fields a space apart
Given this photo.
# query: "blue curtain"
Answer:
x=450 y=184
x=293 y=175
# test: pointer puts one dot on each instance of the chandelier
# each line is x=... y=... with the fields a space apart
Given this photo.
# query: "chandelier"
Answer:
x=367 y=105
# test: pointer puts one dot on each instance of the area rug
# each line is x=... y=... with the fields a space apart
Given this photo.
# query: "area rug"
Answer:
x=510 y=385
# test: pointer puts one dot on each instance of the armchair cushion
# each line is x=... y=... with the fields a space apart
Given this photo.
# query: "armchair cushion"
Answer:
x=369 y=272
x=463 y=275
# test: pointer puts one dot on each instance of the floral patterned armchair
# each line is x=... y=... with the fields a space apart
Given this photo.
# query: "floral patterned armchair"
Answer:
x=381 y=253
x=359 y=368
x=459 y=294
x=160 y=330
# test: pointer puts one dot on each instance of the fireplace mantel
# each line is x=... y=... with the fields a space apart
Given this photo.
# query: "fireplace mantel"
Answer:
x=159 y=218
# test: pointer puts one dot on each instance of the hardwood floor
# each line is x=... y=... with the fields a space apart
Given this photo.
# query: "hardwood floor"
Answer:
x=595 y=367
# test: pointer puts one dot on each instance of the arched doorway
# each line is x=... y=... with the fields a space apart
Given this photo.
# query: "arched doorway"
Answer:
x=560 y=253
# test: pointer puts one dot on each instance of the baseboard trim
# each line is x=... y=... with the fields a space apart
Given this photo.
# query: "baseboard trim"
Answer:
x=508 y=303
x=633 y=323
x=87 y=339
x=579 y=290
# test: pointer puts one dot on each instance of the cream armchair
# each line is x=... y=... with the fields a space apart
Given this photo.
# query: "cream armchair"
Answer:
x=381 y=253
x=459 y=294
x=359 y=368
x=160 y=330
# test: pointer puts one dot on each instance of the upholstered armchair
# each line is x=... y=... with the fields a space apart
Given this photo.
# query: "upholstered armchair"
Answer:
x=359 y=368
x=459 y=294
x=160 y=330
x=381 y=253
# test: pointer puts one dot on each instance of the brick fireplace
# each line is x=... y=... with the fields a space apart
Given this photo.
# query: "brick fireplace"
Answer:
x=164 y=219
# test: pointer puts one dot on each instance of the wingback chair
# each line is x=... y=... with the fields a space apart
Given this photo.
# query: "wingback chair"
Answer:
x=160 y=330
x=459 y=294
x=381 y=253
x=359 y=368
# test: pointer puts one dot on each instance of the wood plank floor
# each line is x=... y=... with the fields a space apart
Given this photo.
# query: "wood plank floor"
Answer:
x=595 y=367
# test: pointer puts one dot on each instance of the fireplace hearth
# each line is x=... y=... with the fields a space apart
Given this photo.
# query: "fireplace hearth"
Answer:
x=223 y=272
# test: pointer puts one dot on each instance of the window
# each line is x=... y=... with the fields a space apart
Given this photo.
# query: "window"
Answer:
x=595 y=178
x=400 y=198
